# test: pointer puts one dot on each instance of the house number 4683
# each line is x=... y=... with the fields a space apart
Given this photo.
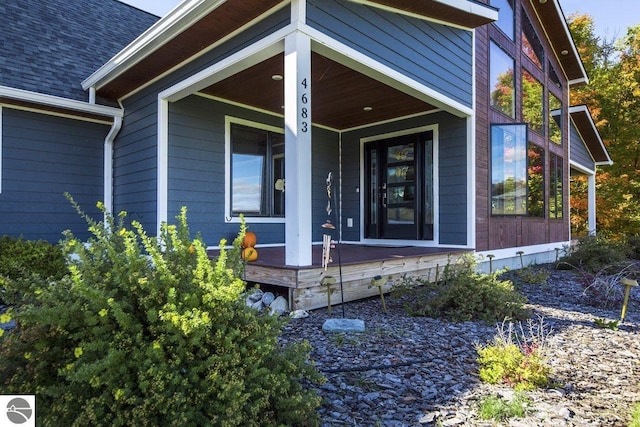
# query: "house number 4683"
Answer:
x=304 y=110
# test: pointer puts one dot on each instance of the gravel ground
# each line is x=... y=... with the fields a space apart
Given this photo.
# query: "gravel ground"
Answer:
x=412 y=371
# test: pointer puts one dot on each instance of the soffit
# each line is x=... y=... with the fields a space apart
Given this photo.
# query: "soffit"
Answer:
x=222 y=21
x=338 y=98
x=555 y=26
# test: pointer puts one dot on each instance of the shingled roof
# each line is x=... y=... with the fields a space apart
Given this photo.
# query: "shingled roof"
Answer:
x=51 y=46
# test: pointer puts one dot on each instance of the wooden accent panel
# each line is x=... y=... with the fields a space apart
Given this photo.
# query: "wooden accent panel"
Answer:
x=307 y=293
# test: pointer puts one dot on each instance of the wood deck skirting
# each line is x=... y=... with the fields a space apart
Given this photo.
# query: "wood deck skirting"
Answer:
x=360 y=263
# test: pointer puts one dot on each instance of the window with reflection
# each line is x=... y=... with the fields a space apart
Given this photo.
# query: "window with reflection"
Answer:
x=257 y=172
x=502 y=83
x=531 y=45
x=535 y=180
x=555 y=119
x=555 y=187
x=509 y=169
x=505 y=16
x=532 y=102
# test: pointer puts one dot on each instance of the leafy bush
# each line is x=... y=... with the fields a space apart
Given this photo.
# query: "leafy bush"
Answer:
x=516 y=358
x=464 y=294
x=593 y=254
x=148 y=331
x=21 y=260
x=633 y=244
x=635 y=416
x=499 y=409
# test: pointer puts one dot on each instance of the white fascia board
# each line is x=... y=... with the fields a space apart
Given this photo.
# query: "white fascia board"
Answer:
x=471 y=7
x=59 y=102
x=339 y=52
x=580 y=168
x=172 y=24
x=463 y=5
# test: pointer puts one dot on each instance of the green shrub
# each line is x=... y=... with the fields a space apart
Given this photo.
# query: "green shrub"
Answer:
x=593 y=254
x=499 y=409
x=633 y=244
x=148 y=331
x=635 y=416
x=518 y=360
x=464 y=294
x=24 y=261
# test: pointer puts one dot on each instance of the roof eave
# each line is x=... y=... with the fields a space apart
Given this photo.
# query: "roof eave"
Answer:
x=561 y=41
x=153 y=38
x=583 y=111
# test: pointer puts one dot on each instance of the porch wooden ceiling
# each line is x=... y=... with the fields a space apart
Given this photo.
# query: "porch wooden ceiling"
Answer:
x=338 y=98
x=226 y=18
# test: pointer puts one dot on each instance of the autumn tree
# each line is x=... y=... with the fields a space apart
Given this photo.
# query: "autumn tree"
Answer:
x=613 y=99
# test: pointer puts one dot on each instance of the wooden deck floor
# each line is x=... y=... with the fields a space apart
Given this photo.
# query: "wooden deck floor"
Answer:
x=358 y=265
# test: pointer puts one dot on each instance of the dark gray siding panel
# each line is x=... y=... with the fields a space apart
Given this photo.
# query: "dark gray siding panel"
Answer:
x=435 y=55
x=325 y=155
x=135 y=164
x=579 y=152
x=197 y=169
x=453 y=181
x=42 y=158
x=452 y=157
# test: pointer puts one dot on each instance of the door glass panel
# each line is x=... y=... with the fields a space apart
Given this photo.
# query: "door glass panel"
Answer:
x=373 y=187
x=400 y=153
x=401 y=216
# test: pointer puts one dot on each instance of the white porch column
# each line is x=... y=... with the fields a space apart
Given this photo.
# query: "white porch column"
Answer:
x=592 y=203
x=297 y=124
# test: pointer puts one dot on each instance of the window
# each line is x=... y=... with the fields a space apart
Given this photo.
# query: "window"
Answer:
x=555 y=187
x=502 y=83
x=531 y=45
x=257 y=172
x=535 y=181
x=509 y=169
x=532 y=102
x=505 y=16
x=555 y=119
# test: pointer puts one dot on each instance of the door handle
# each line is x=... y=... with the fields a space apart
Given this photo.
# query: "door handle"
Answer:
x=384 y=195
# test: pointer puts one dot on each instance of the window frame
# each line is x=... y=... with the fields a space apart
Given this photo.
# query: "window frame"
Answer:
x=511 y=5
x=491 y=88
x=556 y=185
x=230 y=217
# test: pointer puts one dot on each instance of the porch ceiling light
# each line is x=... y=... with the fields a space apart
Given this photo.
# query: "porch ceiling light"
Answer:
x=543 y=1
x=276 y=77
x=368 y=108
x=564 y=52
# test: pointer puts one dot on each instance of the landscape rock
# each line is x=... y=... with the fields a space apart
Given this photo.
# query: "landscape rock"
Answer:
x=418 y=371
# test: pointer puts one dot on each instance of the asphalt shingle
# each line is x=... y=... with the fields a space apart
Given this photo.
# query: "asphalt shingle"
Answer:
x=51 y=46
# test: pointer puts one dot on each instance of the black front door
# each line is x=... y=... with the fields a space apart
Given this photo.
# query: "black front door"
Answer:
x=399 y=188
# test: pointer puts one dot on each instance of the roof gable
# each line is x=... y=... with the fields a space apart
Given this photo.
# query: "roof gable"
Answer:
x=54 y=46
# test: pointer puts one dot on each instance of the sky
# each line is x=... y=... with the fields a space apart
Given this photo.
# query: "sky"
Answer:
x=612 y=17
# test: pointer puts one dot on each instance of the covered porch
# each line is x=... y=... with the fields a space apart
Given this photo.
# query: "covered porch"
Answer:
x=354 y=265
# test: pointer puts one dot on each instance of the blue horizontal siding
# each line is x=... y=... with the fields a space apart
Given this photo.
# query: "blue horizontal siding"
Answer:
x=435 y=55
x=42 y=158
x=197 y=169
x=579 y=152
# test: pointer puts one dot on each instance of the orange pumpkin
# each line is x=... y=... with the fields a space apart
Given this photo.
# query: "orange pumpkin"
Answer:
x=249 y=240
x=249 y=254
